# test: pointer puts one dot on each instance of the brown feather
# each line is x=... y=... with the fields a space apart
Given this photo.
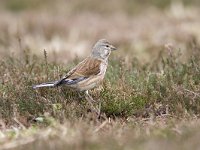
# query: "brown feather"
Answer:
x=88 y=67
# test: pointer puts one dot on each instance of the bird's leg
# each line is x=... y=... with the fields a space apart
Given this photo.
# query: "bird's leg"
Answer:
x=80 y=96
x=96 y=110
x=90 y=100
x=89 y=96
x=99 y=110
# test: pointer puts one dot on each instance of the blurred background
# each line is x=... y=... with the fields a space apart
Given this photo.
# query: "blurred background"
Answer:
x=67 y=29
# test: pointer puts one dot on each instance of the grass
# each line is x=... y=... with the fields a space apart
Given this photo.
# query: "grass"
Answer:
x=129 y=6
x=167 y=83
x=151 y=93
x=162 y=93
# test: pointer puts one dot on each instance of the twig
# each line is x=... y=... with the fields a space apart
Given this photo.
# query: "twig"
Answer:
x=46 y=64
x=19 y=123
x=101 y=126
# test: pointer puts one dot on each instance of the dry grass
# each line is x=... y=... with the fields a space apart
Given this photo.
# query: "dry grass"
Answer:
x=160 y=133
x=150 y=97
x=60 y=32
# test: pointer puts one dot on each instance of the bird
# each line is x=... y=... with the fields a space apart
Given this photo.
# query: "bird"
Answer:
x=89 y=73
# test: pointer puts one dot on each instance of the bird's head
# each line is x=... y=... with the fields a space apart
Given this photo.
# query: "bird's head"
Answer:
x=102 y=49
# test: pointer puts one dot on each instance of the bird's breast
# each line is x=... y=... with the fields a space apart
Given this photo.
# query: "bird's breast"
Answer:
x=103 y=68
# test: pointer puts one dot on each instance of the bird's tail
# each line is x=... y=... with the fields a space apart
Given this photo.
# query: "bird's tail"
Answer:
x=48 y=84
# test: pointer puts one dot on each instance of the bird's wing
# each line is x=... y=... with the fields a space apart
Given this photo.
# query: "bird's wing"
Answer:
x=86 y=68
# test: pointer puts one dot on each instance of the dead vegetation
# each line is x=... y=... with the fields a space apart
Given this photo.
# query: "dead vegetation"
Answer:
x=150 y=97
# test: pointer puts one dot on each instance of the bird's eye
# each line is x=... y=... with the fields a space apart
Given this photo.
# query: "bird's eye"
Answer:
x=107 y=45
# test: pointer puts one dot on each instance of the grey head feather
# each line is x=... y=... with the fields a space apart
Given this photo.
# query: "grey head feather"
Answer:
x=102 y=49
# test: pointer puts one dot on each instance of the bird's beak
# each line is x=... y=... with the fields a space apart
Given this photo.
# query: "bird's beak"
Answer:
x=113 y=48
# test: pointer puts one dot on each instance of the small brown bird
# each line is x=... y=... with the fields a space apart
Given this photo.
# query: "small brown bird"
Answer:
x=87 y=74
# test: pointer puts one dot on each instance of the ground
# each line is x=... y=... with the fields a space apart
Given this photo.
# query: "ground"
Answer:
x=150 y=98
